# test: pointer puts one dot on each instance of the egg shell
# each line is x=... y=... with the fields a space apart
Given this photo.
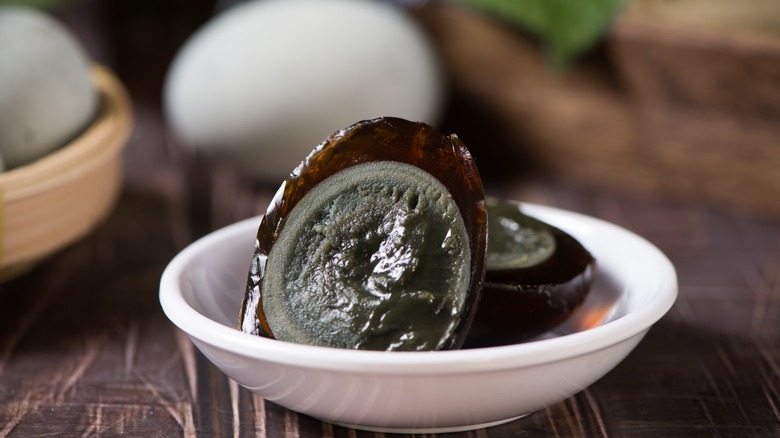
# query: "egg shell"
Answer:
x=265 y=81
x=46 y=95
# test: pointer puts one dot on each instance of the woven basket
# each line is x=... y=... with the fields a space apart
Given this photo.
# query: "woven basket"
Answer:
x=59 y=198
x=667 y=110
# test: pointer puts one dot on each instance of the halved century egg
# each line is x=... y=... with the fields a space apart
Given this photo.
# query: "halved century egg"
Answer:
x=376 y=241
x=537 y=275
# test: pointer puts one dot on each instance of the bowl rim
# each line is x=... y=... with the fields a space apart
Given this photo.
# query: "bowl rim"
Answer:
x=201 y=328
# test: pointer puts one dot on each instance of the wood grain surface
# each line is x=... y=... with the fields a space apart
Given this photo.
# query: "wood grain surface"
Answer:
x=85 y=349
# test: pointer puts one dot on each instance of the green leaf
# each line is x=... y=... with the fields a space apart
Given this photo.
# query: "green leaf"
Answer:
x=38 y=4
x=566 y=28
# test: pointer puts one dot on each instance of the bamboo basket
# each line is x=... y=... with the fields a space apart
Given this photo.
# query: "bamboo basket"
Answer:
x=52 y=202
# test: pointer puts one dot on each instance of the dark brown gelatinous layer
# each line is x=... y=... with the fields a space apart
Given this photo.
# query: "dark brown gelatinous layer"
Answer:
x=384 y=139
x=519 y=304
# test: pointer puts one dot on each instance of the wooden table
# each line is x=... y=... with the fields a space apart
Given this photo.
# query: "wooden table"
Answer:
x=85 y=349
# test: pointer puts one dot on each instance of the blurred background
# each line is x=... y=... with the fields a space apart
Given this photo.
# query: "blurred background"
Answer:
x=678 y=99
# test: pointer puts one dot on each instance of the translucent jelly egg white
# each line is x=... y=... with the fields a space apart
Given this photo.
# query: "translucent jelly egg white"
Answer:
x=265 y=81
x=46 y=93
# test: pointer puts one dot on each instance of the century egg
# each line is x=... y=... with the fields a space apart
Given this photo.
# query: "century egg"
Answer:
x=537 y=275
x=376 y=241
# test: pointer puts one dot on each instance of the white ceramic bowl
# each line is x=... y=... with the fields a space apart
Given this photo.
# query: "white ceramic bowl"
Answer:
x=423 y=392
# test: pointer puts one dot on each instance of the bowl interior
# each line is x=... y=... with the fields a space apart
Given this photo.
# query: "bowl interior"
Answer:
x=216 y=290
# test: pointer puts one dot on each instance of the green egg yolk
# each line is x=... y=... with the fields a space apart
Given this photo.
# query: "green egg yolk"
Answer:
x=514 y=239
x=375 y=257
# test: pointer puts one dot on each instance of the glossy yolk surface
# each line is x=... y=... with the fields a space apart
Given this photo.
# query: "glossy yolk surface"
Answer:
x=514 y=239
x=375 y=257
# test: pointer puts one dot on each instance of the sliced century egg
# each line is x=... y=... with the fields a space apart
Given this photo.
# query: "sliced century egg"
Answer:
x=537 y=275
x=377 y=241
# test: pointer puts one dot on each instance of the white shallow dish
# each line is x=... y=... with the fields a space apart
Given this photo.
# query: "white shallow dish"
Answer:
x=424 y=392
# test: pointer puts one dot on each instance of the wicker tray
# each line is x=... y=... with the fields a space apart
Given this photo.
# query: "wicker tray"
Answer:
x=662 y=109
